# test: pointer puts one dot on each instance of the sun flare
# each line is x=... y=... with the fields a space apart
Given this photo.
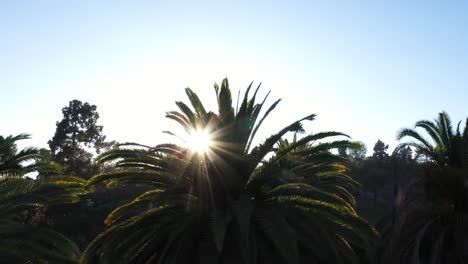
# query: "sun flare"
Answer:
x=200 y=141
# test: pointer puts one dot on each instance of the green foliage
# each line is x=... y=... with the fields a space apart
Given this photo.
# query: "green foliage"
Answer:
x=83 y=220
x=315 y=164
x=22 y=204
x=231 y=204
x=46 y=166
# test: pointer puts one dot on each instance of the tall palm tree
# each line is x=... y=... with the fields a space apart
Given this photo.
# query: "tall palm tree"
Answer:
x=224 y=202
x=22 y=238
x=431 y=218
x=445 y=146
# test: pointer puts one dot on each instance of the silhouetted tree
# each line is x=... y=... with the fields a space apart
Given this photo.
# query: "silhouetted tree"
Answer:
x=380 y=150
x=373 y=172
x=76 y=135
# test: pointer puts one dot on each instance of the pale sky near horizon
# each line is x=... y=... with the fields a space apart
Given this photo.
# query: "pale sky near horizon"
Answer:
x=366 y=68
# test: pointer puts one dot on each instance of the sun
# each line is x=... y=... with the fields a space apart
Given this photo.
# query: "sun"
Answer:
x=200 y=141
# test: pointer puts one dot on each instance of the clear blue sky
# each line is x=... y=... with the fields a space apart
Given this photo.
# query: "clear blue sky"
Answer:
x=367 y=68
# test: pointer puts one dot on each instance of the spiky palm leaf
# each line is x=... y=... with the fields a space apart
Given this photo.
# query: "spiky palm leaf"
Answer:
x=22 y=240
x=316 y=164
x=227 y=205
x=444 y=146
x=12 y=161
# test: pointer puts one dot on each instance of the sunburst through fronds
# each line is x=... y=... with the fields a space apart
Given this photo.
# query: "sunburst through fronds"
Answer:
x=221 y=199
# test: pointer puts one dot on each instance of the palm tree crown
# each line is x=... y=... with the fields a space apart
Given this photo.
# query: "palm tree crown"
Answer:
x=228 y=204
x=445 y=146
x=430 y=222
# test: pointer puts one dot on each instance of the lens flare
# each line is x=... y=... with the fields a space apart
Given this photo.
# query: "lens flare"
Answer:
x=200 y=141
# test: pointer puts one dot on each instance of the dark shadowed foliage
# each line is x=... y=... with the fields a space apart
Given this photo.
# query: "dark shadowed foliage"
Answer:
x=22 y=203
x=430 y=224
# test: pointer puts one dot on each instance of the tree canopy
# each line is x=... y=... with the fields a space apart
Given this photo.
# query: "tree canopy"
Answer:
x=77 y=137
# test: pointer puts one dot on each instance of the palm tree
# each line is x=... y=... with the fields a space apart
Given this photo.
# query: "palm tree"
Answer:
x=22 y=202
x=445 y=147
x=17 y=163
x=430 y=221
x=224 y=202
x=12 y=161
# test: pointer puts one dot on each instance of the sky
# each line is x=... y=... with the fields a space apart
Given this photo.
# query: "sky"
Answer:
x=366 y=68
